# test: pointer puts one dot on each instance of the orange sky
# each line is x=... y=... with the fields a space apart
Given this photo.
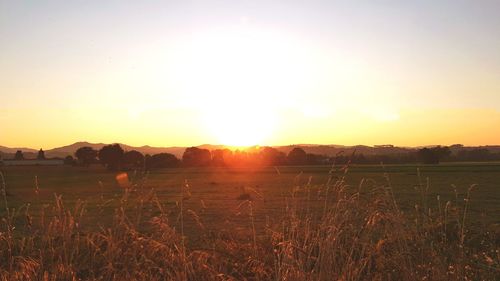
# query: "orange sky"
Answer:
x=266 y=72
x=411 y=128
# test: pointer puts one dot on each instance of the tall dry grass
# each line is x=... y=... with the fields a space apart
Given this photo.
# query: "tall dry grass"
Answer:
x=326 y=232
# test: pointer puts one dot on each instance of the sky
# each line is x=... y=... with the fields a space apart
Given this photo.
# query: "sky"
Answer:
x=181 y=73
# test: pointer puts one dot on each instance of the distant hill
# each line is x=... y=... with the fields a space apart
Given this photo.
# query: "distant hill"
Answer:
x=5 y=149
x=492 y=148
x=63 y=151
x=146 y=149
x=329 y=150
x=332 y=150
x=9 y=152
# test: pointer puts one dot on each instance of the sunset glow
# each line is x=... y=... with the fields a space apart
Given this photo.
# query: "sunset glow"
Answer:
x=249 y=140
x=238 y=78
x=240 y=126
x=267 y=73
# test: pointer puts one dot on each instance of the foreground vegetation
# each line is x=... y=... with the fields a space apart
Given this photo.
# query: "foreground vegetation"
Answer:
x=329 y=230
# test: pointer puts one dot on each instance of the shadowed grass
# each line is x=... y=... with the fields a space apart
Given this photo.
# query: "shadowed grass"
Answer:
x=322 y=232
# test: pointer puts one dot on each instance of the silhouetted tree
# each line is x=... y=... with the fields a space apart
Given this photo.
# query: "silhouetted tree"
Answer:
x=427 y=156
x=433 y=155
x=443 y=151
x=147 y=159
x=133 y=159
x=272 y=156
x=476 y=154
x=316 y=159
x=221 y=157
x=297 y=156
x=241 y=158
x=161 y=160
x=194 y=156
x=86 y=155
x=19 y=155
x=111 y=156
x=41 y=155
x=69 y=160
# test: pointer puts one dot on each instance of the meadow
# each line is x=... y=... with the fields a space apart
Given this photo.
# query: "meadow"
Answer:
x=273 y=223
x=220 y=188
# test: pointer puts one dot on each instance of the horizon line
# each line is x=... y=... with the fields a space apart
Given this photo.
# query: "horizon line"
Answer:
x=250 y=146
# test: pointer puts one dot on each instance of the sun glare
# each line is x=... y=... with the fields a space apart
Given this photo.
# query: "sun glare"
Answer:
x=239 y=78
x=240 y=126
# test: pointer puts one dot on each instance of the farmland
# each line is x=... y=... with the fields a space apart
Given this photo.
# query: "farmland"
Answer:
x=220 y=188
x=186 y=223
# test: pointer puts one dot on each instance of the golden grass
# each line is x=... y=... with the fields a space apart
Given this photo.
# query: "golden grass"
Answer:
x=325 y=232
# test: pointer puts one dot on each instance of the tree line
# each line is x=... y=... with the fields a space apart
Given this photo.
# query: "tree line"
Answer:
x=114 y=157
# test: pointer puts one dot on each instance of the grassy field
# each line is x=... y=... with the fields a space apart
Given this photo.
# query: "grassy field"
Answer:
x=248 y=208
x=220 y=188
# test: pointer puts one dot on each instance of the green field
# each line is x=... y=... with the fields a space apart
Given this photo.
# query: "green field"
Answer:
x=220 y=188
x=401 y=222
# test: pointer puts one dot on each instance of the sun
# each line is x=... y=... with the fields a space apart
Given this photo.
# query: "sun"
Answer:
x=240 y=126
x=239 y=79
